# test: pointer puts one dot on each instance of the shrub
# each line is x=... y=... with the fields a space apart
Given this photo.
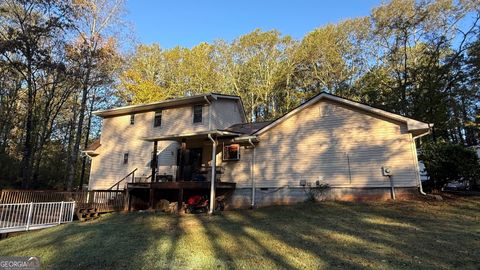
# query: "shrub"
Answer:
x=316 y=192
x=446 y=162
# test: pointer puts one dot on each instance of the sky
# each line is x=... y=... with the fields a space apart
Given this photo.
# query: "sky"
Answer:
x=188 y=23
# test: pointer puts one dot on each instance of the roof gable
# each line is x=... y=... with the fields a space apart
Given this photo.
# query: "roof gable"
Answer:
x=416 y=127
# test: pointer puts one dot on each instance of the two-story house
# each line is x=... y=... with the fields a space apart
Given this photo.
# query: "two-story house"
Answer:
x=184 y=144
x=125 y=144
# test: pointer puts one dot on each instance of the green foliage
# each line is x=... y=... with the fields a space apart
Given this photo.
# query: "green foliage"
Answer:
x=316 y=192
x=55 y=58
x=415 y=58
x=446 y=162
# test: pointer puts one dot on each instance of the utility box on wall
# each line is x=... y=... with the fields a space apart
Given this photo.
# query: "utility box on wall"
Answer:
x=386 y=171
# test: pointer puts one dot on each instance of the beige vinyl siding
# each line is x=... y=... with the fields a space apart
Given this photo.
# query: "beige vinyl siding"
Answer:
x=225 y=113
x=314 y=143
x=119 y=137
x=175 y=121
x=239 y=171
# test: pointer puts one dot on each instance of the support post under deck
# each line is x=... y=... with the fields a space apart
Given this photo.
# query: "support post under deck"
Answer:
x=129 y=195
x=180 y=200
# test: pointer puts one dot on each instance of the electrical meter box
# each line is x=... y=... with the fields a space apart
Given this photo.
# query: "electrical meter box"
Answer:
x=386 y=171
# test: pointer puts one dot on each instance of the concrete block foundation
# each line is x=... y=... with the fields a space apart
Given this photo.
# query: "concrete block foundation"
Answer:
x=242 y=198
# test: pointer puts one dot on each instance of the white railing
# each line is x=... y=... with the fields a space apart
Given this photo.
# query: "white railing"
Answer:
x=31 y=216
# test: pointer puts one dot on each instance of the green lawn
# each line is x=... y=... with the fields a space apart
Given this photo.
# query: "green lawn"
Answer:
x=387 y=235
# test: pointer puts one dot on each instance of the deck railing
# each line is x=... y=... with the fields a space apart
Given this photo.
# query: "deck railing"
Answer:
x=16 y=217
x=102 y=200
x=116 y=186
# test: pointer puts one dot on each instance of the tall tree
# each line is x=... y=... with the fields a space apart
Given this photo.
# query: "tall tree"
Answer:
x=28 y=32
x=332 y=57
x=420 y=47
x=93 y=47
x=258 y=67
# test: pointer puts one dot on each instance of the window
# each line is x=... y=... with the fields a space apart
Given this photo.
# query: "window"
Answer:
x=158 y=119
x=132 y=119
x=197 y=113
x=231 y=152
x=125 y=158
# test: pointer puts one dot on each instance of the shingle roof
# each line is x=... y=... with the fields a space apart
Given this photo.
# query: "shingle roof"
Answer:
x=93 y=146
x=248 y=128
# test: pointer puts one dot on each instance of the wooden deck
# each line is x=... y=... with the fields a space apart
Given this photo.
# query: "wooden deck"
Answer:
x=182 y=185
x=101 y=200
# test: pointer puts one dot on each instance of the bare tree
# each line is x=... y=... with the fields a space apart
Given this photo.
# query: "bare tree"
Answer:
x=97 y=22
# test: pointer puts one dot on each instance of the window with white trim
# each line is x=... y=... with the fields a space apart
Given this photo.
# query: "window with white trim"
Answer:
x=157 y=121
x=231 y=152
x=132 y=119
x=197 y=113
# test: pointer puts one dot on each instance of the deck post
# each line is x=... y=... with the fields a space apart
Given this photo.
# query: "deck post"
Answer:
x=126 y=200
x=30 y=212
x=152 y=193
x=129 y=196
x=154 y=161
x=214 y=170
x=180 y=200
x=61 y=213
x=73 y=210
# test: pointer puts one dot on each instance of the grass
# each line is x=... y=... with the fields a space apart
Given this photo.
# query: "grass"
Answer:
x=380 y=235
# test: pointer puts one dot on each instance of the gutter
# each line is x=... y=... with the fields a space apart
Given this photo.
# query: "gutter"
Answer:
x=214 y=168
x=88 y=153
x=417 y=168
x=253 y=173
x=251 y=138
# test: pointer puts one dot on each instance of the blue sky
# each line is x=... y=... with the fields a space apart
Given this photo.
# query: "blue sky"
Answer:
x=187 y=23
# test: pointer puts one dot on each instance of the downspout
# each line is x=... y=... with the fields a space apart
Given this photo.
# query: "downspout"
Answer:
x=253 y=173
x=392 y=187
x=214 y=165
x=417 y=168
x=209 y=112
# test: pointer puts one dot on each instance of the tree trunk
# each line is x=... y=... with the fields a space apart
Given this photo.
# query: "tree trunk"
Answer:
x=27 y=144
x=87 y=135
x=70 y=139
x=72 y=166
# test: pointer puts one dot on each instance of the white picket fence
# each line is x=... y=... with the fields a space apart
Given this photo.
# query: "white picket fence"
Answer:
x=16 y=217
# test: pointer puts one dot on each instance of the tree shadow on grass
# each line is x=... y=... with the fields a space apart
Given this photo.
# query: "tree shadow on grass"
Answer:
x=378 y=236
x=115 y=241
x=340 y=235
x=309 y=236
x=232 y=243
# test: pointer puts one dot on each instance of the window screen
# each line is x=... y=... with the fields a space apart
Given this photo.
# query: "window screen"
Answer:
x=125 y=158
x=158 y=119
x=197 y=113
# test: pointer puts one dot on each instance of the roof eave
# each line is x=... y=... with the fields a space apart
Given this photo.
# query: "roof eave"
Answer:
x=246 y=138
x=175 y=137
x=155 y=105
x=419 y=130
x=90 y=153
